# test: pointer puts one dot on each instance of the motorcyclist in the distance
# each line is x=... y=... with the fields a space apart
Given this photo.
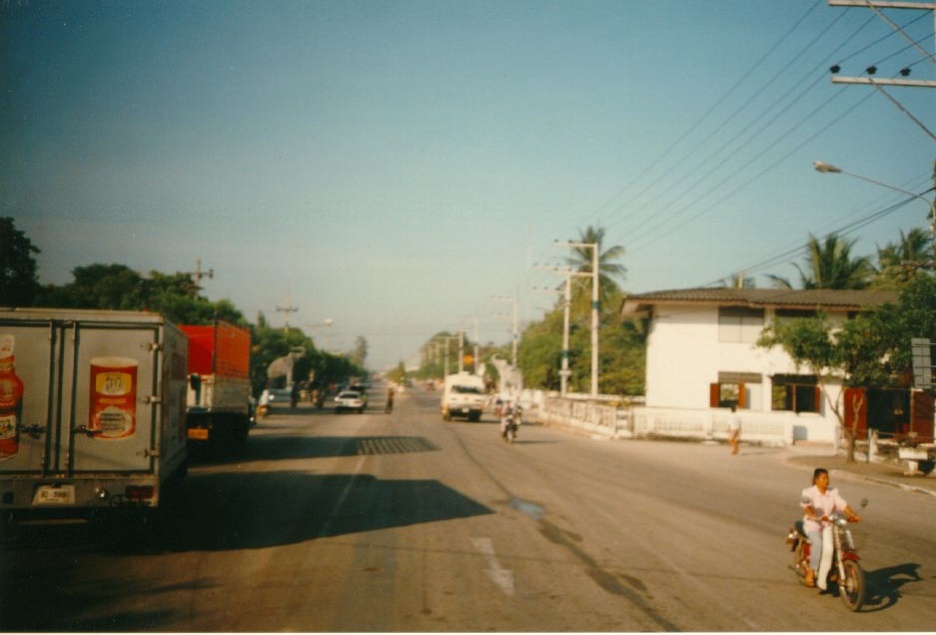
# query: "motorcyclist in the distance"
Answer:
x=510 y=414
x=819 y=502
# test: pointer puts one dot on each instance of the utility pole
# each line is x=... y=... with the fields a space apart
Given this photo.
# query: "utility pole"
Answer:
x=287 y=310
x=595 y=247
x=198 y=274
x=564 y=372
x=515 y=340
x=879 y=82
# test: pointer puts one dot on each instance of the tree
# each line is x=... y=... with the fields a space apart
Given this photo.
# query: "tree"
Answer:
x=119 y=288
x=830 y=265
x=19 y=282
x=812 y=343
x=870 y=351
x=397 y=375
x=98 y=286
x=876 y=344
x=358 y=354
x=608 y=269
x=896 y=261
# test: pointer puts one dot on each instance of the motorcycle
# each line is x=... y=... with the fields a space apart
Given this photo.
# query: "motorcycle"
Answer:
x=840 y=561
x=511 y=424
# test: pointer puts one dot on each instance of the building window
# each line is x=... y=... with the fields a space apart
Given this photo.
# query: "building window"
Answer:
x=736 y=389
x=793 y=314
x=795 y=393
x=739 y=324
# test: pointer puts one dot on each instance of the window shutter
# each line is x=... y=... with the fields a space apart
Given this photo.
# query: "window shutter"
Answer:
x=921 y=416
x=714 y=395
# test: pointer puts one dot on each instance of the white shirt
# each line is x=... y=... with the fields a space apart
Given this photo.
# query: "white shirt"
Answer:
x=822 y=504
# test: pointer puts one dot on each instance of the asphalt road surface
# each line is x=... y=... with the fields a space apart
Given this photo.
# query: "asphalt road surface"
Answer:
x=403 y=522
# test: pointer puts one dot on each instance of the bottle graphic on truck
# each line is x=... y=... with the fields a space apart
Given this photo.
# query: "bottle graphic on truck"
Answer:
x=11 y=399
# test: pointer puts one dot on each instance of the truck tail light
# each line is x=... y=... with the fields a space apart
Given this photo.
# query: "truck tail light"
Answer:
x=139 y=492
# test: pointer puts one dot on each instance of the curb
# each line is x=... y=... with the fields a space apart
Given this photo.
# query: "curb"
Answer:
x=846 y=475
x=884 y=481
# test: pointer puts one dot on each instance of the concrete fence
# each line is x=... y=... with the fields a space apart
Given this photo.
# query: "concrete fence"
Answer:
x=630 y=421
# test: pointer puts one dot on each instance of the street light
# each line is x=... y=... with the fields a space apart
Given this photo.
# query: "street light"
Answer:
x=827 y=168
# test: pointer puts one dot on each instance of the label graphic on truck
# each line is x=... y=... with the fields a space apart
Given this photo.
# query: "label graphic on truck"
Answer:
x=113 y=397
x=11 y=399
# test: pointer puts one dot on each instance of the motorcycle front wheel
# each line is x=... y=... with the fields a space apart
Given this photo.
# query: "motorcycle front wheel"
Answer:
x=852 y=588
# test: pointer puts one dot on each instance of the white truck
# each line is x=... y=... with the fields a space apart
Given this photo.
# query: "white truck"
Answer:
x=463 y=396
x=92 y=412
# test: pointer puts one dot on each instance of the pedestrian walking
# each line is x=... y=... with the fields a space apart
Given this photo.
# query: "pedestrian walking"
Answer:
x=734 y=429
x=389 y=407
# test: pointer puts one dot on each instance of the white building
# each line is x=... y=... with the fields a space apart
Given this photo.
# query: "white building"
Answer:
x=702 y=353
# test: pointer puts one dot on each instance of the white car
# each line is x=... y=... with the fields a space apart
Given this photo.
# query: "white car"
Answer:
x=349 y=400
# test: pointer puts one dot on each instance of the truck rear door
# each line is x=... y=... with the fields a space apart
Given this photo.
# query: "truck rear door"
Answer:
x=88 y=397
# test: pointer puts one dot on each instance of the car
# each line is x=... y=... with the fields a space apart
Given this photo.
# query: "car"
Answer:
x=349 y=400
x=361 y=389
x=277 y=397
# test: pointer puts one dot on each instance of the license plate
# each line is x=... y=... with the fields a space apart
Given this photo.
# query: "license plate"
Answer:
x=54 y=495
x=199 y=434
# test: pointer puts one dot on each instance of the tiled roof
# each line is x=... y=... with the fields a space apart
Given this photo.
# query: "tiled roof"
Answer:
x=783 y=298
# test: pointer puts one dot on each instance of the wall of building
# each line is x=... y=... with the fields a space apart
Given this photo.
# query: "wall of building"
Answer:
x=685 y=356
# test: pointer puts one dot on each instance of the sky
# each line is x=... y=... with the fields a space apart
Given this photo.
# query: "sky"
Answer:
x=394 y=169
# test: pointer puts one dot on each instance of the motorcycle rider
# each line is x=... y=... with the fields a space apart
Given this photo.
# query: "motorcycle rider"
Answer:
x=510 y=415
x=819 y=502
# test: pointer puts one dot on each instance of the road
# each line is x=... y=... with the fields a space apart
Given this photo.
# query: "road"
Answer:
x=403 y=522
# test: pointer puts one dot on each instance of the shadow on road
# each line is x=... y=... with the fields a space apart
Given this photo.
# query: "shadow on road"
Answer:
x=41 y=587
x=273 y=448
x=257 y=510
x=254 y=510
x=884 y=585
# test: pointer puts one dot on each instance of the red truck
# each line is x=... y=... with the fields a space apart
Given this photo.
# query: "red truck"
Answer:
x=218 y=410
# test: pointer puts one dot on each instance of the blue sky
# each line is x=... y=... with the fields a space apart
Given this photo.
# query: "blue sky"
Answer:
x=391 y=166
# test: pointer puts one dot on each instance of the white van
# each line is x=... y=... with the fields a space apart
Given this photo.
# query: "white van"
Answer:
x=463 y=396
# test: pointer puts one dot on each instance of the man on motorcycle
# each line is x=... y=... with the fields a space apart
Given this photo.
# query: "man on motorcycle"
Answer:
x=510 y=416
x=819 y=502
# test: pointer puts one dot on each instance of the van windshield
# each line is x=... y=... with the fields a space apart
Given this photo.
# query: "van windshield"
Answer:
x=466 y=390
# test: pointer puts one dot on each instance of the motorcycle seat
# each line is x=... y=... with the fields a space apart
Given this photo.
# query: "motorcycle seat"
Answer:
x=801 y=528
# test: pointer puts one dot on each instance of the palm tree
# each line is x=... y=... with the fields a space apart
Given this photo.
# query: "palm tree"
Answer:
x=608 y=269
x=830 y=265
x=914 y=247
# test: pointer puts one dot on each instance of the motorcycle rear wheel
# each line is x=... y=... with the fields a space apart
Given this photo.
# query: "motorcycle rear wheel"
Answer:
x=852 y=588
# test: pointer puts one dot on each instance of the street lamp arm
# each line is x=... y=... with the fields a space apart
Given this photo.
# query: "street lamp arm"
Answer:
x=828 y=168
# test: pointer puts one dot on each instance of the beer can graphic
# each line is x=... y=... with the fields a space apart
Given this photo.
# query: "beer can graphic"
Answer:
x=113 y=397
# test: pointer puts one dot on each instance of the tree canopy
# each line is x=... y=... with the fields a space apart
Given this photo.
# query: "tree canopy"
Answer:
x=19 y=280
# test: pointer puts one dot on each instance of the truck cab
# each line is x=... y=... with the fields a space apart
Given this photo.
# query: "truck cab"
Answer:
x=463 y=396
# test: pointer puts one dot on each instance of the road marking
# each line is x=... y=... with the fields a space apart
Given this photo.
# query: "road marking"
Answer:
x=342 y=497
x=502 y=577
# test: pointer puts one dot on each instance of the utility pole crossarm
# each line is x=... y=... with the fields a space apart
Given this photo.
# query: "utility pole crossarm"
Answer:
x=871 y=81
x=884 y=4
